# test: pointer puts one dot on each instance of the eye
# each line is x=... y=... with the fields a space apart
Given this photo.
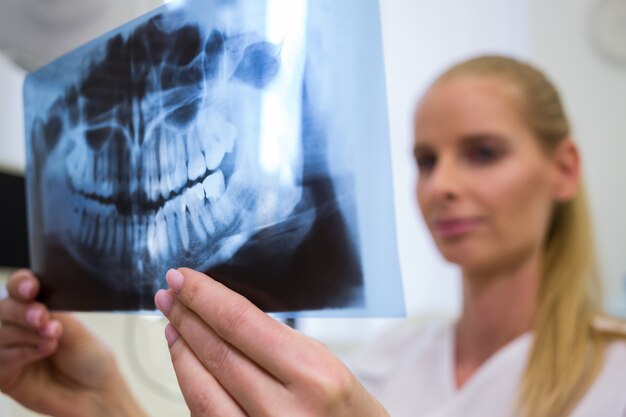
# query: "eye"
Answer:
x=483 y=154
x=425 y=161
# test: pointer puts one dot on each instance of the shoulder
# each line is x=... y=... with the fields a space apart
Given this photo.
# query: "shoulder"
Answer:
x=607 y=396
x=615 y=356
x=615 y=349
x=411 y=340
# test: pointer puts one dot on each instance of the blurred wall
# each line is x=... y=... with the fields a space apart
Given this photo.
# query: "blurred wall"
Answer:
x=33 y=32
x=594 y=89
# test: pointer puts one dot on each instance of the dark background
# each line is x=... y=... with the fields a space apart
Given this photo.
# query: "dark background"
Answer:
x=13 y=228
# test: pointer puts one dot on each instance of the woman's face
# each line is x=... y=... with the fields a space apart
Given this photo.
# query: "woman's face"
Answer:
x=485 y=187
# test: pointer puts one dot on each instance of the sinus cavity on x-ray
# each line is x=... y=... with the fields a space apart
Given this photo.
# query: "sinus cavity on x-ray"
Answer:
x=246 y=139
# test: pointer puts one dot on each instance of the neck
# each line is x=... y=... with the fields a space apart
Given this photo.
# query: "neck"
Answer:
x=498 y=307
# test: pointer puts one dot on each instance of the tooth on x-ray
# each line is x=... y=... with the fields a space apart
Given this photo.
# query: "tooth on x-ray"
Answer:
x=199 y=135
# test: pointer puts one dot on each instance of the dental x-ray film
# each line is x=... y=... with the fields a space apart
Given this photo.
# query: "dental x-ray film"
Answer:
x=246 y=139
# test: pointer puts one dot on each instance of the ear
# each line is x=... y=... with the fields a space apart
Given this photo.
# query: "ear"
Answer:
x=567 y=170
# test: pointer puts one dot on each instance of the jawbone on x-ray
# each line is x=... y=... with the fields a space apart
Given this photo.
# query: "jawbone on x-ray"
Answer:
x=204 y=135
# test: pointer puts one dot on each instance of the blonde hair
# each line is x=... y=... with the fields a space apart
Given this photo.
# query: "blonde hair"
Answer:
x=568 y=350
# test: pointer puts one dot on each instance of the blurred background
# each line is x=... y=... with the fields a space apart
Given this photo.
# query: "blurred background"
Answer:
x=581 y=44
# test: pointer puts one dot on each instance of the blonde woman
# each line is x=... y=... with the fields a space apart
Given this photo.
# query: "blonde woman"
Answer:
x=500 y=189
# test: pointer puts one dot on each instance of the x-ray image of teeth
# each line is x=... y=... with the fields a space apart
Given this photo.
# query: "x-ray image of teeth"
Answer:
x=206 y=135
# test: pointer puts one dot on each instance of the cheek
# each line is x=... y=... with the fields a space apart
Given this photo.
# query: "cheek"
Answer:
x=520 y=200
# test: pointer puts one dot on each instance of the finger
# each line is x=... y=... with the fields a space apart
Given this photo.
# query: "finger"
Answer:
x=243 y=379
x=13 y=336
x=18 y=356
x=52 y=330
x=23 y=285
x=203 y=394
x=277 y=348
x=34 y=315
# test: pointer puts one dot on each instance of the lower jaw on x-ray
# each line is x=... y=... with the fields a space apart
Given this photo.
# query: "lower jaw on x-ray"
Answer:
x=185 y=141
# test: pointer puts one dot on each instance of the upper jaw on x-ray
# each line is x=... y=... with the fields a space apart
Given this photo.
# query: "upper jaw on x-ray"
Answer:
x=174 y=147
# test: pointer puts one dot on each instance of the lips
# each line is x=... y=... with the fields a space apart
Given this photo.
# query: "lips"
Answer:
x=455 y=227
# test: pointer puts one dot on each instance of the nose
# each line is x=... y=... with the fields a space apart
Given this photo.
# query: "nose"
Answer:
x=442 y=183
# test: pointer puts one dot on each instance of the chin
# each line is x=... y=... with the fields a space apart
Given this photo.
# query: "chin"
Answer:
x=468 y=255
x=456 y=248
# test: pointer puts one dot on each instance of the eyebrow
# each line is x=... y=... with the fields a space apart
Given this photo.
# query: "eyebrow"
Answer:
x=467 y=140
x=481 y=137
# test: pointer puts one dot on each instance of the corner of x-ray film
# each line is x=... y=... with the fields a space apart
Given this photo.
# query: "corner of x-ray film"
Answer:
x=244 y=138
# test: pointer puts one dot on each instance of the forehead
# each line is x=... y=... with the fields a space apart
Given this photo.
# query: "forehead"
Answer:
x=469 y=104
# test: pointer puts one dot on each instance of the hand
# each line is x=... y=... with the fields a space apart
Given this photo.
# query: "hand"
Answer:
x=51 y=363
x=231 y=359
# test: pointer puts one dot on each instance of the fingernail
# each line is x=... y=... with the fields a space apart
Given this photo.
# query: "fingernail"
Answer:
x=51 y=329
x=33 y=316
x=164 y=301
x=175 y=280
x=171 y=334
x=26 y=288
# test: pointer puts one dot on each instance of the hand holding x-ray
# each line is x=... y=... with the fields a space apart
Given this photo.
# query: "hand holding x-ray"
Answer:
x=231 y=359
x=48 y=358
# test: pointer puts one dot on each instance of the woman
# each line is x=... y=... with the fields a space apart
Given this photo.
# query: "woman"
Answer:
x=499 y=187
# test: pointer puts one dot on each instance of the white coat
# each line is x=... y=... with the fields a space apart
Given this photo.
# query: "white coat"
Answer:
x=411 y=372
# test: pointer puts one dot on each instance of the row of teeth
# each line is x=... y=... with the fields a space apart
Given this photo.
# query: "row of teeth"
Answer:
x=183 y=157
x=200 y=213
